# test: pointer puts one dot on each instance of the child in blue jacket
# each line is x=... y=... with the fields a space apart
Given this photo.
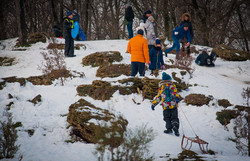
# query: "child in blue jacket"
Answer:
x=156 y=57
x=179 y=33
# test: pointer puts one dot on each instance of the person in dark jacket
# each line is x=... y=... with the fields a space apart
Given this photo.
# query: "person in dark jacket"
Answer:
x=146 y=15
x=69 y=41
x=129 y=16
x=169 y=98
x=156 y=57
x=204 y=59
x=57 y=31
x=186 y=18
x=179 y=33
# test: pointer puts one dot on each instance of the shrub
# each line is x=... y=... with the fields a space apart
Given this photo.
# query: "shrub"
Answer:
x=224 y=103
x=134 y=147
x=225 y=116
x=113 y=70
x=185 y=62
x=8 y=137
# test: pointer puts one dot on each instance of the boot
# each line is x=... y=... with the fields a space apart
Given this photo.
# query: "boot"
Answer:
x=176 y=131
x=168 y=131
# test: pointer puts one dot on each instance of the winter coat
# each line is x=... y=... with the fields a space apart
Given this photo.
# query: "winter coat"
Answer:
x=156 y=59
x=180 y=33
x=144 y=18
x=129 y=14
x=138 y=48
x=190 y=27
x=76 y=17
x=149 y=27
x=204 y=59
x=67 y=26
x=167 y=95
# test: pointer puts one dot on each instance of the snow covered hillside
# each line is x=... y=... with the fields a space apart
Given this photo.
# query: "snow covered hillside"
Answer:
x=47 y=118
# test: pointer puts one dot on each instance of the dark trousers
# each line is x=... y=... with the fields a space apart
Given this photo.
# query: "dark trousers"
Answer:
x=150 y=47
x=170 y=116
x=137 y=67
x=130 y=30
x=69 y=46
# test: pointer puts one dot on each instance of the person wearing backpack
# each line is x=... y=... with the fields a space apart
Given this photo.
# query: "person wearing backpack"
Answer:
x=167 y=94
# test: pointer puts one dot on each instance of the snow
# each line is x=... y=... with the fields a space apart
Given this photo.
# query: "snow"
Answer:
x=225 y=81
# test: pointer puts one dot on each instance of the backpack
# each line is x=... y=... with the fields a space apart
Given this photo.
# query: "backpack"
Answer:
x=168 y=94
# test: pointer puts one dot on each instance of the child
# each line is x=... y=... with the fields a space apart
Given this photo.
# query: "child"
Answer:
x=167 y=94
x=204 y=59
x=156 y=57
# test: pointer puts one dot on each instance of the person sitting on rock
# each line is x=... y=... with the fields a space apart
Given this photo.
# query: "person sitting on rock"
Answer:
x=204 y=59
x=167 y=94
x=156 y=57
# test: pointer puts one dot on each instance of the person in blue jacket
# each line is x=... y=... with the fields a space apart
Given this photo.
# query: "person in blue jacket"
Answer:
x=179 y=33
x=204 y=59
x=156 y=57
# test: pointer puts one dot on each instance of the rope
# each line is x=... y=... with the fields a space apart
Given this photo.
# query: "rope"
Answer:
x=182 y=129
x=188 y=122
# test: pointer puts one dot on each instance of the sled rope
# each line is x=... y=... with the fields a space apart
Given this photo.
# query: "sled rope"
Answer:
x=188 y=122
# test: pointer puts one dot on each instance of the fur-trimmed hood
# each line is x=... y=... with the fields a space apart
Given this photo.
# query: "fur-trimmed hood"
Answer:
x=165 y=82
x=186 y=14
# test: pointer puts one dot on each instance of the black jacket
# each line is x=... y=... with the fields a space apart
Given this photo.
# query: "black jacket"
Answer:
x=190 y=27
x=67 y=25
x=129 y=14
x=144 y=17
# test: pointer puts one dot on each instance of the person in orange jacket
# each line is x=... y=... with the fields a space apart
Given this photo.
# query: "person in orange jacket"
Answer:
x=138 y=48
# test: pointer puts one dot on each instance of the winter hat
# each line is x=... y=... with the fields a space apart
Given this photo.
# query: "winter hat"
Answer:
x=157 y=41
x=148 y=12
x=204 y=49
x=127 y=5
x=151 y=18
x=140 y=31
x=165 y=76
x=69 y=13
x=186 y=25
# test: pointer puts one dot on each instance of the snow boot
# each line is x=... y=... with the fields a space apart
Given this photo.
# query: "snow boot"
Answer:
x=176 y=131
x=168 y=131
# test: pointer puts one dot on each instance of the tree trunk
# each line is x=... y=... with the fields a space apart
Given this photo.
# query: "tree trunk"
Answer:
x=85 y=29
x=244 y=34
x=2 y=19
x=56 y=21
x=21 y=23
x=166 y=19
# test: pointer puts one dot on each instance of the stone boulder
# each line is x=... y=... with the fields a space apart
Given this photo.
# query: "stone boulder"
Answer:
x=197 y=99
x=96 y=125
x=102 y=58
x=227 y=53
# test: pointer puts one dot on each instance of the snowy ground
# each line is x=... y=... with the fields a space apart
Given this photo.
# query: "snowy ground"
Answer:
x=225 y=81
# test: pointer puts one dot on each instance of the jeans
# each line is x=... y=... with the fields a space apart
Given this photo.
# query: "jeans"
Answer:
x=137 y=66
x=130 y=30
x=176 y=45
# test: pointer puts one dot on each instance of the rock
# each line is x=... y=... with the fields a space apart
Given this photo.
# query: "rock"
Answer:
x=227 y=53
x=99 y=90
x=150 y=87
x=6 y=61
x=224 y=103
x=197 y=99
x=130 y=86
x=36 y=99
x=10 y=96
x=95 y=125
x=36 y=37
x=113 y=70
x=225 y=116
x=102 y=58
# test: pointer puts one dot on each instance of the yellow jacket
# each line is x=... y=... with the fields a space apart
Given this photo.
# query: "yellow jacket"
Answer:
x=138 y=48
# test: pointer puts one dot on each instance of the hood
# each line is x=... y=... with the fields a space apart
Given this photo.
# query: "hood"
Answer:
x=165 y=82
x=188 y=14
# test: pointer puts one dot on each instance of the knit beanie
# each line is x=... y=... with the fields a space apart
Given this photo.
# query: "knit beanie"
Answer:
x=69 y=13
x=186 y=25
x=157 y=41
x=204 y=49
x=165 y=76
x=140 y=31
x=148 y=12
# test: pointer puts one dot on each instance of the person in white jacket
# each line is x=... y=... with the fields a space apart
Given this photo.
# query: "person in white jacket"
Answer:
x=150 y=32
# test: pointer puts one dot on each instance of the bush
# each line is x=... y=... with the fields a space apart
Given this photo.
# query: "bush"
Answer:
x=8 y=137
x=113 y=70
x=197 y=99
x=184 y=62
x=225 y=116
x=134 y=147
x=224 y=103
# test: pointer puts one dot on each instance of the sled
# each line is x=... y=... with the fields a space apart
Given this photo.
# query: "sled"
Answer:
x=82 y=34
x=75 y=30
x=137 y=102
x=203 y=145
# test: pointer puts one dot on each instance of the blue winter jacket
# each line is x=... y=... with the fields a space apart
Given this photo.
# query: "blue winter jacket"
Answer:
x=180 y=33
x=156 y=59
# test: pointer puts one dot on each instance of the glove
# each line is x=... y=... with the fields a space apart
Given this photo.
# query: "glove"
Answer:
x=152 y=107
x=149 y=63
x=163 y=66
x=176 y=33
x=177 y=100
